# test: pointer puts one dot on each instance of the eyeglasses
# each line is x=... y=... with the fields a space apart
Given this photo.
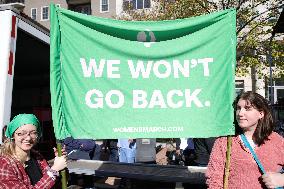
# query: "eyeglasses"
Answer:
x=32 y=134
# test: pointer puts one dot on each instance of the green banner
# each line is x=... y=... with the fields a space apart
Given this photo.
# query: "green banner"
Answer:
x=142 y=79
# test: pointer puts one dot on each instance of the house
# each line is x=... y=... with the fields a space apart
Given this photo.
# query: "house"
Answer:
x=39 y=9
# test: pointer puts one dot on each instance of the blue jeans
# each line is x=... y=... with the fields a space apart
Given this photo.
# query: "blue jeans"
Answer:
x=127 y=155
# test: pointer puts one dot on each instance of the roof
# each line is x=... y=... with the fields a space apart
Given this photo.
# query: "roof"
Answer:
x=16 y=8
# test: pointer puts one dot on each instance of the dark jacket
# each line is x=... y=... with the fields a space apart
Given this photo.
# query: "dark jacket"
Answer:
x=203 y=148
x=83 y=148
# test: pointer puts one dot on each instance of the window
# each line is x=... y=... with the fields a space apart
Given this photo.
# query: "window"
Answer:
x=139 y=4
x=136 y=4
x=44 y=13
x=147 y=3
x=277 y=90
x=127 y=5
x=85 y=8
x=33 y=13
x=104 y=5
x=239 y=86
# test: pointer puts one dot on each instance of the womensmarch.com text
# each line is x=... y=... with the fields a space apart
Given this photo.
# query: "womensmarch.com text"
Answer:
x=147 y=129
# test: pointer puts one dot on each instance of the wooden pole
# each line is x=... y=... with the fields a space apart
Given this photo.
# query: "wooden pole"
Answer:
x=228 y=162
x=63 y=172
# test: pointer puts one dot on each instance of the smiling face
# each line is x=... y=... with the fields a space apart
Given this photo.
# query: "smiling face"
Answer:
x=25 y=137
x=247 y=115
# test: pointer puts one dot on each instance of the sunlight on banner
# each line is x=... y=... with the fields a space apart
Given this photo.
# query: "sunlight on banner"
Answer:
x=157 y=79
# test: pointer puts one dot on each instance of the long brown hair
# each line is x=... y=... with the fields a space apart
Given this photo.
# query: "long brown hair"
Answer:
x=265 y=125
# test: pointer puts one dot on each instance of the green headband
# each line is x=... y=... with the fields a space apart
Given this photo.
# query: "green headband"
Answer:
x=20 y=120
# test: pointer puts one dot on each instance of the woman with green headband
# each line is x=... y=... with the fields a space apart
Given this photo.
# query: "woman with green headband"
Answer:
x=20 y=165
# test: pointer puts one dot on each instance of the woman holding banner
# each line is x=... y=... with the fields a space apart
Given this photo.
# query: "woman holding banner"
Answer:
x=20 y=165
x=257 y=154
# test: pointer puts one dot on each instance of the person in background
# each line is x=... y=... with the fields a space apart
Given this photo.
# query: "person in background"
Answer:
x=20 y=165
x=202 y=149
x=127 y=150
x=109 y=152
x=80 y=148
x=254 y=131
x=110 y=146
x=185 y=148
x=127 y=153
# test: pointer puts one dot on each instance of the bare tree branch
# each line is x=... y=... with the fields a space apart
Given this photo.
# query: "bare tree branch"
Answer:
x=260 y=3
x=254 y=17
x=251 y=30
x=241 y=2
x=213 y=4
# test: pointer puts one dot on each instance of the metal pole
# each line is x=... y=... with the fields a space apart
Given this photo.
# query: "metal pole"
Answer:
x=270 y=69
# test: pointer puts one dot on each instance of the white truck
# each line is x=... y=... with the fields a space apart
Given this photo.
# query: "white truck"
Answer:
x=24 y=66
